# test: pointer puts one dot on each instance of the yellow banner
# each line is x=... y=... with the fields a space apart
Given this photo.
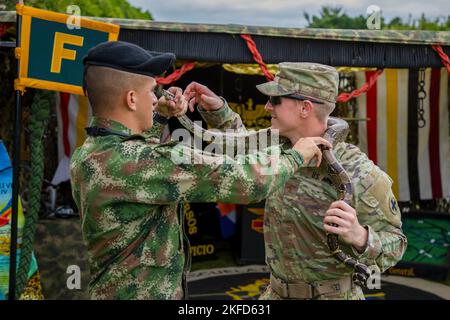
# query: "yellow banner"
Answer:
x=52 y=47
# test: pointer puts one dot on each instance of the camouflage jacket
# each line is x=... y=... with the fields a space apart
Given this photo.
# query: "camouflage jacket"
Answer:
x=295 y=240
x=127 y=190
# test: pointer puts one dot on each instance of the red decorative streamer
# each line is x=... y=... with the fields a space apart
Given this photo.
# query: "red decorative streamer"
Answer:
x=257 y=56
x=345 y=97
x=444 y=57
x=174 y=76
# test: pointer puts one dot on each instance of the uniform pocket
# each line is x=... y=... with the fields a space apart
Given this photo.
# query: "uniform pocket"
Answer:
x=369 y=200
x=377 y=198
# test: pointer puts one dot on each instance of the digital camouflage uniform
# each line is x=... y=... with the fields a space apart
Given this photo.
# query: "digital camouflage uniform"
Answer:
x=128 y=190
x=295 y=239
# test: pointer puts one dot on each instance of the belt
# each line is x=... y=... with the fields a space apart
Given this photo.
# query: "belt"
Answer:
x=304 y=290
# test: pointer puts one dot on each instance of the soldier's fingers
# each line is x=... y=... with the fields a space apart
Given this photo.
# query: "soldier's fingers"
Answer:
x=332 y=229
x=178 y=109
x=194 y=87
x=171 y=104
x=178 y=96
x=162 y=100
x=191 y=98
x=192 y=103
x=189 y=95
x=340 y=213
x=176 y=91
x=322 y=141
x=190 y=89
x=180 y=100
x=342 y=205
x=336 y=220
x=319 y=156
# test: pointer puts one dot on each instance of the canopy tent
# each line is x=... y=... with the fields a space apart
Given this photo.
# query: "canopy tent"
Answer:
x=223 y=44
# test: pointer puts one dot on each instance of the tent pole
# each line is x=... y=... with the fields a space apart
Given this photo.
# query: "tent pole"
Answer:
x=16 y=174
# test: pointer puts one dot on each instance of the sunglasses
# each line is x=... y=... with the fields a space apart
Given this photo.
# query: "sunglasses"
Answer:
x=276 y=100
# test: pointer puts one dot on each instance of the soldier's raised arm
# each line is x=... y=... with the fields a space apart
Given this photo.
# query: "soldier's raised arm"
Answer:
x=219 y=116
x=213 y=109
x=174 y=172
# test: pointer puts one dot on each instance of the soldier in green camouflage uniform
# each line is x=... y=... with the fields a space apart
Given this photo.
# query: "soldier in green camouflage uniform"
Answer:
x=297 y=216
x=127 y=185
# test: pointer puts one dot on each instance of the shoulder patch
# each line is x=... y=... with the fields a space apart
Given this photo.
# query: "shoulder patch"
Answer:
x=393 y=205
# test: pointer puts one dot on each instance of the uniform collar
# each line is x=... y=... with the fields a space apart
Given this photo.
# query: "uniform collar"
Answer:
x=110 y=124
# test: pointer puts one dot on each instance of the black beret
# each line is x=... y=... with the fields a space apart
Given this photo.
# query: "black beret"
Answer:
x=128 y=57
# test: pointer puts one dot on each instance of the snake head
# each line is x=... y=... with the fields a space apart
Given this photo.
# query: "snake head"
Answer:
x=337 y=130
x=159 y=92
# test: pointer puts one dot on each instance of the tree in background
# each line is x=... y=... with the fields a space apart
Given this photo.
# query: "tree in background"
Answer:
x=94 y=8
x=422 y=23
x=336 y=18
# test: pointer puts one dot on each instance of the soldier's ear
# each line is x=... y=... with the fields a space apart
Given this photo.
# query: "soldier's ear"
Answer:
x=131 y=99
x=306 y=107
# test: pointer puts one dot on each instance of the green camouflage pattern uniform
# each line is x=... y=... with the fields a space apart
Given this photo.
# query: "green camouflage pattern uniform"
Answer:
x=127 y=190
x=295 y=240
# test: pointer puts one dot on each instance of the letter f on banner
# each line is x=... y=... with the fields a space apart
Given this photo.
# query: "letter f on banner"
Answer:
x=50 y=51
x=60 y=53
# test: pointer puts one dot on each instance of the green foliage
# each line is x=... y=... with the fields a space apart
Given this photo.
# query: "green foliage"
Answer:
x=422 y=23
x=336 y=18
x=92 y=8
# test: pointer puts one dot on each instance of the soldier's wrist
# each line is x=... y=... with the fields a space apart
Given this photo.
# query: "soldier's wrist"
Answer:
x=219 y=106
x=160 y=118
x=361 y=240
x=296 y=155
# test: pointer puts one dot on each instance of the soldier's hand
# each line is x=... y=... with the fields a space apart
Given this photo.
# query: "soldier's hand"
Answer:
x=198 y=93
x=347 y=225
x=309 y=149
x=172 y=108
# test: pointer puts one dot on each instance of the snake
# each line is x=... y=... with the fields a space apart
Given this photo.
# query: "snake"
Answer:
x=337 y=130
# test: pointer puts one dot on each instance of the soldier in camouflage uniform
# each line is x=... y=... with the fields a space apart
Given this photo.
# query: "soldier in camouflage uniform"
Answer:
x=298 y=216
x=127 y=186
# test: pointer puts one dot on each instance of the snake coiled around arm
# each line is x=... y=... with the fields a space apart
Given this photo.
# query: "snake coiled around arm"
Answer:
x=337 y=130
